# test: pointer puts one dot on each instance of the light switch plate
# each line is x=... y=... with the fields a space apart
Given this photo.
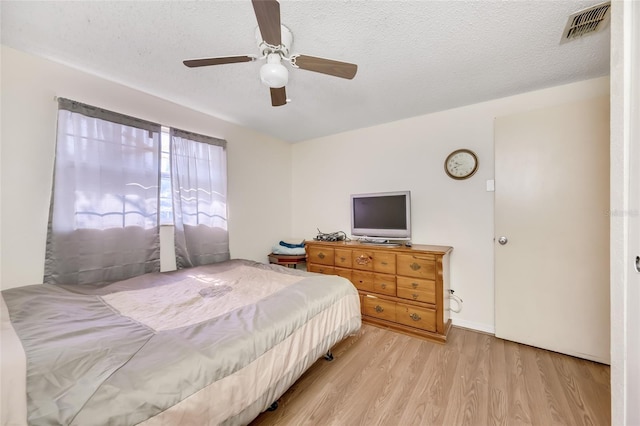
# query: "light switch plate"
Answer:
x=491 y=185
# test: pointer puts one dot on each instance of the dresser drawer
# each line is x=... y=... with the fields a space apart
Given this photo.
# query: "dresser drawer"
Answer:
x=379 y=308
x=321 y=269
x=362 y=260
x=384 y=284
x=345 y=273
x=362 y=280
x=414 y=316
x=417 y=289
x=419 y=266
x=384 y=263
x=342 y=258
x=321 y=255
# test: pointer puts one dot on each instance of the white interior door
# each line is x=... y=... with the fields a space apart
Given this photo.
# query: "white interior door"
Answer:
x=551 y=205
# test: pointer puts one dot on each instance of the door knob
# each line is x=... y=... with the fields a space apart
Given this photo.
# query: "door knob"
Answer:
x=503 y=240
x=637 y=263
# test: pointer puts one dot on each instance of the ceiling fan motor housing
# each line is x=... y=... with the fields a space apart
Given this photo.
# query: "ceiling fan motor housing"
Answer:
x=286 y=39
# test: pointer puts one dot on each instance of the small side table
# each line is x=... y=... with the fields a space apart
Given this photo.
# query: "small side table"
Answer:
x=288 y=260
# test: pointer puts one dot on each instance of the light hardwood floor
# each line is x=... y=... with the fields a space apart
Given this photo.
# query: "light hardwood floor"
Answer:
x=380 y=377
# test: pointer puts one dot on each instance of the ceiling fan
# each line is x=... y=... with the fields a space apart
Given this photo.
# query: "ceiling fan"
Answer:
x=274 y=41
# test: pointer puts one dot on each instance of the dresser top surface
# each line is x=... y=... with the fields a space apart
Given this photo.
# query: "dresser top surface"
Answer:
x=395 y=248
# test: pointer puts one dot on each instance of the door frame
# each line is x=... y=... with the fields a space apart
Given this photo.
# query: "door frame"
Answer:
x=625 y=147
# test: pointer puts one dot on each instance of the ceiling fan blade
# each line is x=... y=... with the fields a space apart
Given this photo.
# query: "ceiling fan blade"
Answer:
x=278 y=97
x=325 y=66
x=268 y=16
x=192 y=63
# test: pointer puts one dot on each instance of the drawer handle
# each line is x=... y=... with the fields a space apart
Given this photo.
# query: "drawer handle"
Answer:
x=414 y=285
x=415 y=317
x=383 y=286
x=415 y=296
x=342 y=259
x=414 y=266
x=362 y=259
x=321 y=255
x=384 y=263
x=379 y=308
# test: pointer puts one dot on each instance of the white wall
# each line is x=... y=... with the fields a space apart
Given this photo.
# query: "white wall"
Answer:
x=409 y=154
x=259 y=213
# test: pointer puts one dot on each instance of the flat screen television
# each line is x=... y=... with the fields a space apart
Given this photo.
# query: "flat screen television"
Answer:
x=381 y=216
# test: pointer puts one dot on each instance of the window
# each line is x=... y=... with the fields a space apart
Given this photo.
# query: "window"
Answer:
x=166 y=197
x=104 y=214
x=199 y=185
x=116 y=179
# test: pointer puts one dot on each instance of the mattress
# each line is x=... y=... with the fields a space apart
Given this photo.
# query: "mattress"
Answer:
x=216 y=344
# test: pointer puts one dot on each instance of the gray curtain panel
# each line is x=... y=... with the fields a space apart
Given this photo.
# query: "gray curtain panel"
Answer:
x=199 y=184
x=103 y=222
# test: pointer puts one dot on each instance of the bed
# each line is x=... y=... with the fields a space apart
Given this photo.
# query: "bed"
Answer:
x=216 y=344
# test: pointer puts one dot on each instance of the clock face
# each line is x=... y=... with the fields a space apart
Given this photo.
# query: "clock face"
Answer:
x=461 y=164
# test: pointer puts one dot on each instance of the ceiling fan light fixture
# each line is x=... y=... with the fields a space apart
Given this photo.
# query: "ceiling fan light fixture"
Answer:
x=273 y=74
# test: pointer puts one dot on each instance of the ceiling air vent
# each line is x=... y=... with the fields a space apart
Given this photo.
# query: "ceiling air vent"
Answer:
x=586 y=21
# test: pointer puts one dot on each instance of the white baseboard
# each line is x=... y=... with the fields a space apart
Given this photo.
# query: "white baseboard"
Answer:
x=485 y=328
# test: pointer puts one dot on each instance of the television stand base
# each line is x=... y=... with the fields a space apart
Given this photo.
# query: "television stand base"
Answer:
x=379 y=242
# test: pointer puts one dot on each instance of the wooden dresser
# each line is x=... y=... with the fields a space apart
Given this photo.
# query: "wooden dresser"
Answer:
x=402 y=288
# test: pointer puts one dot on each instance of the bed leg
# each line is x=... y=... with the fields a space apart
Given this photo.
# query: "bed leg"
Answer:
x=328 y=356
x=273 y=407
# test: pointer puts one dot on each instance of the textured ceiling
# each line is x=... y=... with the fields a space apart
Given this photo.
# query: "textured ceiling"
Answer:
x=414 y=57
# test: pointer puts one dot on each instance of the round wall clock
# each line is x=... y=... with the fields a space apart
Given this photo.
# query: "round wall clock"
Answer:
x=461 y=164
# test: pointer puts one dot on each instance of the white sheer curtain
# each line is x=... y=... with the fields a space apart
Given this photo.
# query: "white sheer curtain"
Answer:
x=199 y=184
x=103 y=224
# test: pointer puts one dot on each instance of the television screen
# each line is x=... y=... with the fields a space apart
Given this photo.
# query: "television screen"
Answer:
x=381 y=215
